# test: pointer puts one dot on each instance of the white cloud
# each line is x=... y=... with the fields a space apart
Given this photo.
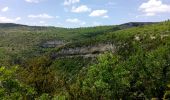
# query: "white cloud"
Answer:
x=41 y=16
x=5 y=9
x=6 y=20
x=97 y=23
x=59 y=24
x=42 y=22
x=99 y=13
x=83 y=23
x=80 y=9
x=57 y=17
x=153 y=7
x=76 y=21
x=18 y=18
x=32 y=1
x=69 y=2
x=9 y=20
x=150 y=14
x=106 y=16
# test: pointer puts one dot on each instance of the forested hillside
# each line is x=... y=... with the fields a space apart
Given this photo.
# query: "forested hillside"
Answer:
x=129 y=62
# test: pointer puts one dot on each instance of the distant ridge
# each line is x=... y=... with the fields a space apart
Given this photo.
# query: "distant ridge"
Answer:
x=125 y=25
x=3 y=25
x=136 y=24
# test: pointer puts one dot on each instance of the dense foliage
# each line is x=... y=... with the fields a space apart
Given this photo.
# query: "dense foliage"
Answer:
x=139 y=67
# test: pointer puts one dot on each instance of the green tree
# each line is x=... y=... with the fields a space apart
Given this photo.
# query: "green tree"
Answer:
x=38 y=74
x=11 y=88
x=104 y=80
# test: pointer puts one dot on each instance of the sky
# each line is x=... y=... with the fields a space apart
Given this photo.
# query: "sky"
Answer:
x=82 y=13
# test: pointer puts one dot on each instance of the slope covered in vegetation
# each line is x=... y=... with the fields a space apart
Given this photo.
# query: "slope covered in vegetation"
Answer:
x=27 y=41
x=137 y=67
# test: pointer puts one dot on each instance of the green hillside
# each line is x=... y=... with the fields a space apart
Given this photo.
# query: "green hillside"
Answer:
x=18 y=39
x=129 y=61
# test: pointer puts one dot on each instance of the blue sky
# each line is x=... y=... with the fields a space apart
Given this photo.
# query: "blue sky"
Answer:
x=82 y=13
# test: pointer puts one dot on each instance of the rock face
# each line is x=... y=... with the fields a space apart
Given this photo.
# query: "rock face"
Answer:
x=85 y=51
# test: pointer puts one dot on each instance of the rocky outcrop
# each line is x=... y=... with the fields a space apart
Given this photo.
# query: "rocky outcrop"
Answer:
x=85 y=51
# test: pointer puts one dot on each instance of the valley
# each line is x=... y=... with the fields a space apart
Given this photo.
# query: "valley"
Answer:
x=127 y=61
